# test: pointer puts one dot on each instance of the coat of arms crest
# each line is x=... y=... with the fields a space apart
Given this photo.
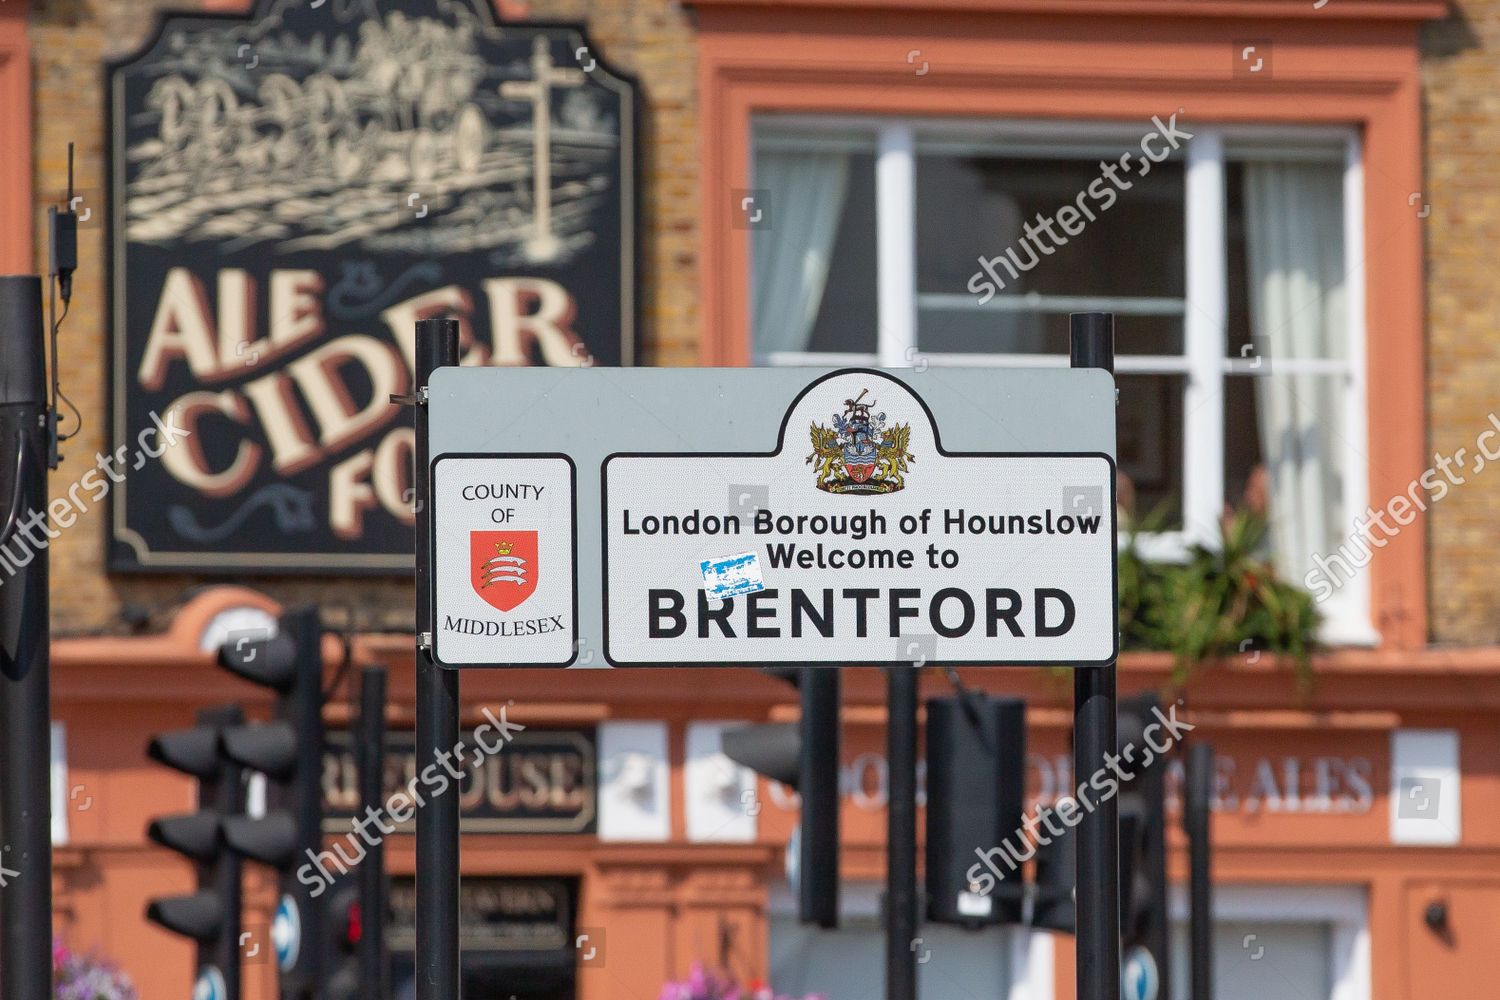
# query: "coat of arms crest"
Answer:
x=859 y=453
x=505 y=566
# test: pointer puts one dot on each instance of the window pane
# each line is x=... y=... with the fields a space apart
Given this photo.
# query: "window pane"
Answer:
x=847 y=964
x=1285 y=452
x=1245 y=477
x=972 y=331
x=1150 y=448
x=813 y=257
x=1286 y=262
x=846 y=317
x=1254 y=960
x=977 y=262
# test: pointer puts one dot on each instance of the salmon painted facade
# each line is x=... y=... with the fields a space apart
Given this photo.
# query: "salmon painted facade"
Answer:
x=1288 y=206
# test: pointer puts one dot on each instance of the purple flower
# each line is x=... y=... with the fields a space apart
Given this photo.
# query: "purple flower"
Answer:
x=80 y=977
x=703 y=984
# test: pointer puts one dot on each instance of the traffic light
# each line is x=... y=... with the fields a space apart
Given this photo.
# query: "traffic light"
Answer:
x=210 y=916
x=976 y=776
x=1054 y=904
x=355 y=966
x=804 y=755
x=1144 y=929
x=345 y=932
x=288 y=750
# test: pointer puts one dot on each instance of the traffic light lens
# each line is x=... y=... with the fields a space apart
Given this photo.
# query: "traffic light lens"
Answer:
x=270 y=839
x=270 y=660
x=356 y=925
x=268 y=747
x=192 y=751
x=199 y=916
x=194 y=834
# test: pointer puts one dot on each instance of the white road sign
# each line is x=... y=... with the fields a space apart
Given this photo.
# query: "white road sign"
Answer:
x=866 y=543
x=665 y=517
x=505 y=573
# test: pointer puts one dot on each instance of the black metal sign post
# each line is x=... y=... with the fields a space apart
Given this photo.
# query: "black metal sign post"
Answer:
x=1196 y=820
x=437 y=714
x=370 y=752
x=25 y=710
x=901 y=942
x=1098 y=841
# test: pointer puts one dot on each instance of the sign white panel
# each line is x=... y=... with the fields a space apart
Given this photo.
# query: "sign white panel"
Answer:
x=744 y=516
x=504 y=560
x=859 y=540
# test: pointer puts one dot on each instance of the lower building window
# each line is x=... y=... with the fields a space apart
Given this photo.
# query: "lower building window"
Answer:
x=849 y=963
x=1307 y=942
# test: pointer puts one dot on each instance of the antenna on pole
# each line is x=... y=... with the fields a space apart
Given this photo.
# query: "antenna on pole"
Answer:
x=62 y=261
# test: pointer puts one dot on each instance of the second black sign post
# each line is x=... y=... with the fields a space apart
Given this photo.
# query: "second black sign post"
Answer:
x=1094 y=713
x=437 y=715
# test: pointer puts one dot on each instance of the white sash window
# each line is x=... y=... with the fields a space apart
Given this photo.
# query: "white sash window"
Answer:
x=1240 y=321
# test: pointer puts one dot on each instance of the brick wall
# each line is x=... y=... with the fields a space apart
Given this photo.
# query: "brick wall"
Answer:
x=71 y=40
x=1461 y=70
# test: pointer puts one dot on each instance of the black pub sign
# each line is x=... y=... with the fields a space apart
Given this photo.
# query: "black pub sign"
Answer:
x=287 y=194
x=544 y=781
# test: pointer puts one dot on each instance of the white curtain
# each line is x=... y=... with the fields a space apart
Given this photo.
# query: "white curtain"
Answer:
x=1294 y=241
x=789 y=261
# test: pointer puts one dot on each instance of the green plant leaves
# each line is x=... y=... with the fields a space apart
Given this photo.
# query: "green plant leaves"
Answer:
x=1219 y=602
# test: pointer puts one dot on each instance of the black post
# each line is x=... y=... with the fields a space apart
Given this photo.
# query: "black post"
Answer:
x=818 y=783
x=901 y=835
x=1195 y=818
x=1098 y=864
x=226 y=796
x=437 y=715
x=25 y=698
x=372 y=797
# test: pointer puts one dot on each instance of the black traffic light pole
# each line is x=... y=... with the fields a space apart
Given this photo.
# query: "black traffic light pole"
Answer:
x=901 y=834
x=805 y=756
x=289 y=751
x=818 y=783
x=225 y=794
x=1196 y=820
x=25 y=706
x=211 y=914
x=1098 y=841
x=1145 y=926
x=371 y=756
x=437 y=715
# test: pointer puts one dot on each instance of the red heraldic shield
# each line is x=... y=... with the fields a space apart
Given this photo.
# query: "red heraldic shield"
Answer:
x=504 y=566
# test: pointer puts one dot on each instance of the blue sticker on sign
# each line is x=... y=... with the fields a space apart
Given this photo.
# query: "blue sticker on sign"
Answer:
x=732 y=576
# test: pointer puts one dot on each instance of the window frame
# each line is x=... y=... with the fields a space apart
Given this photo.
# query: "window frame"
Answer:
x=1205 y=363
x=1027 y=955
x=1344 y=908
x=1014 y=60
